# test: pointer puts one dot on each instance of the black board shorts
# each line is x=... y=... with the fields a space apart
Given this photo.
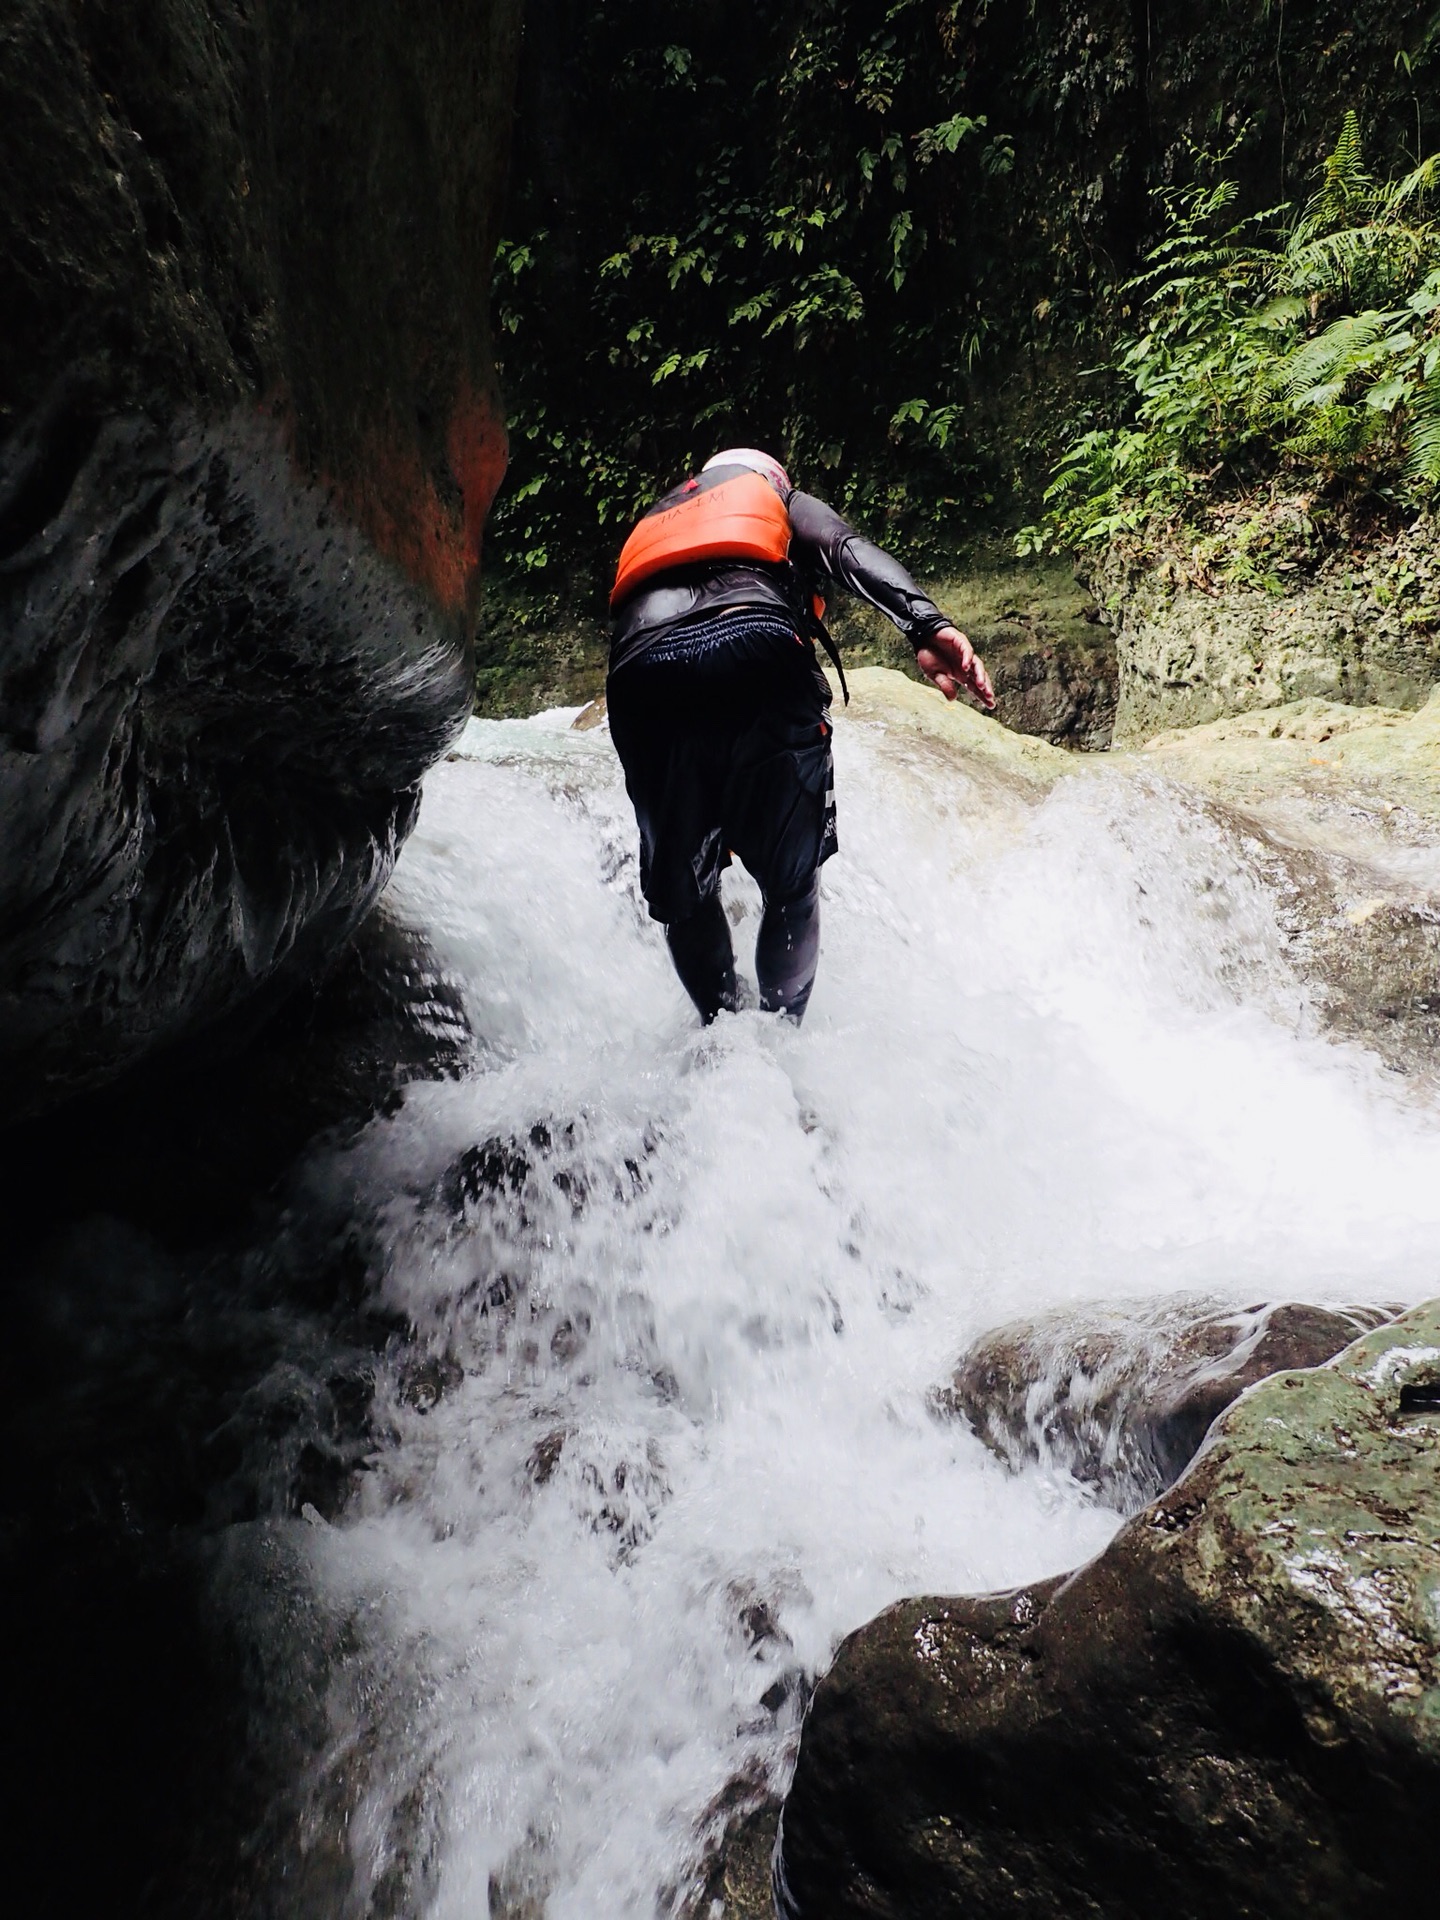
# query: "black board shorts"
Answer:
x=722 y=728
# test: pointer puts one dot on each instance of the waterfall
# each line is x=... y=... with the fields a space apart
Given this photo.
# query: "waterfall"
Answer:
x=664 y=1430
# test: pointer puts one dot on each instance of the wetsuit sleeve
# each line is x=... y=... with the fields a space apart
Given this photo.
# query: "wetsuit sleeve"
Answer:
x=839 y=553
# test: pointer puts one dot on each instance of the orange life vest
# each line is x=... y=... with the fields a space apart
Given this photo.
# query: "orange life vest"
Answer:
x=739 y=519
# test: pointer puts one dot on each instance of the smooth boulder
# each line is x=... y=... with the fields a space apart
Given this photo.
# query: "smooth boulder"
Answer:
x=1122 y=1396
x=1340 y=807
x=1234 y=1710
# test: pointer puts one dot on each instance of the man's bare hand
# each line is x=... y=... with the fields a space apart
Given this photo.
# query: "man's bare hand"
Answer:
x=949 y=660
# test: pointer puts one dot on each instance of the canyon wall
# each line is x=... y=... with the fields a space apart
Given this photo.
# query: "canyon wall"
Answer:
x=249 y=434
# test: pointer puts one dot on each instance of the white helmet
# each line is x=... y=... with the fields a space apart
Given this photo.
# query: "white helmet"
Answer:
x=762 y=463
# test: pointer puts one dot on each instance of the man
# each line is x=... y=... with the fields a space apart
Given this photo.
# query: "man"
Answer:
x=718 y=708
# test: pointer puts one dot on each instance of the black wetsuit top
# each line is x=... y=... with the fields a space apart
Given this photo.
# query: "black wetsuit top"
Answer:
x=824 y=551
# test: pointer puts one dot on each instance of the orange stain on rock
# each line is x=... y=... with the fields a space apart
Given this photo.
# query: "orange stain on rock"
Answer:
x=433 y=537
x=478 y=450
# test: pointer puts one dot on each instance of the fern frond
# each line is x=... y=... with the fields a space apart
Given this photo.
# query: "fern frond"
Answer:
x=1331 y=357
x=1422 y=180
x=1282 y=310
x=1330 y=264
x=1344 y=180
x=1324 y=263
x=1422 y=421
x=1324 y=395
x=1343 y=187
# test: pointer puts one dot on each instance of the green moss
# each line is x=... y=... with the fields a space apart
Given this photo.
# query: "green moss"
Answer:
x=531 y=654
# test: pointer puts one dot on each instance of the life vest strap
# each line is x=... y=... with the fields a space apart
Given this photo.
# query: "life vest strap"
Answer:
x=819 y=631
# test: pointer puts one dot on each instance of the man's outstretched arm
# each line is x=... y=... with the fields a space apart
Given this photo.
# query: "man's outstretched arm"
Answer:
x=942 y=652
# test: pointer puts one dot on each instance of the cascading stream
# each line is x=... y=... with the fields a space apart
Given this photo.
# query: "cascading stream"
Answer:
x=681 y=1297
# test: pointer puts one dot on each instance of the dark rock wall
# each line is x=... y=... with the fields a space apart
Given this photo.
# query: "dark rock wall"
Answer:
x=205 y=203
x=190 y=1321
x=249 y=434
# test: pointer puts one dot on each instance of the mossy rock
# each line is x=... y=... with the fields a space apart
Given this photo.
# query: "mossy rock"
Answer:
x=1233 y=1710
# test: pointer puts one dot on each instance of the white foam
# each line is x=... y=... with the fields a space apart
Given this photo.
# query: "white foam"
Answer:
x=1041 y=1064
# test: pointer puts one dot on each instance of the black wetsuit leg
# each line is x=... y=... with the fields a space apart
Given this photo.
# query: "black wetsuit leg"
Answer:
x=788 y=952
x=704 y=958
x=723 y=735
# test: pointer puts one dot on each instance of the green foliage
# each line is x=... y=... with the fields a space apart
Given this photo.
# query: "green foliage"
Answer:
x=777 y=228
x=1254 y=351
x=880 y=237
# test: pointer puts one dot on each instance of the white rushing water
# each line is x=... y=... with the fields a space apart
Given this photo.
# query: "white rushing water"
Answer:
x=687 y=1321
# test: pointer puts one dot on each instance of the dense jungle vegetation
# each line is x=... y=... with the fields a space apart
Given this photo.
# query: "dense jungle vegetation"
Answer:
x=927 y=249
x=1298 y=344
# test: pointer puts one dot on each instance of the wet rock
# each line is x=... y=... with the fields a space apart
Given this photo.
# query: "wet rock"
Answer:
x=156 y=1404
x=1236 y=1705
x=424 y=1382
x=1063 y=690
x=619 y=1490
x=193 y=1359
x=591 y=715
x=520 y=1889
x=248 y=437
x=735 y=1883
x=958 y=738
x=489 y=1170
x=1336 y=808
x=1264 y=613
x=510 y=1181
x=1340 y=806
x=218 y=705
x=545 y=1456
x=1123 y=1397
x=1050 y=659
x=495 y=1171
x=1324 y=757
x=189 y=1144
x=622 y=1492
x=1380 y=962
